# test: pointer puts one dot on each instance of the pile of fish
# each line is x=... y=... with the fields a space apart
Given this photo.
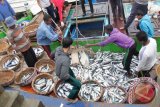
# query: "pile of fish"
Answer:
x=63 y=90
x=90 y=92
x=11 y=63
x=107 y=69
x=44 y=85
x=26 y=77
x=44 y=68
x=38 y=51
x=114 y=95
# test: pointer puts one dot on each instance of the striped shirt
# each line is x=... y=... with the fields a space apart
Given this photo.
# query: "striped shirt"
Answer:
x=18 y=40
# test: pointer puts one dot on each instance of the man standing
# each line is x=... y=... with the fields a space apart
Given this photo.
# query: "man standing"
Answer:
x=63 y=70
x=6 y=10
x=46 y=4
x=138 y=5
x=122 y=40
x=20 y=42
x=60 y=4
x=147 y=54
x=46 y=34
x=145 y=24
x=83 y=6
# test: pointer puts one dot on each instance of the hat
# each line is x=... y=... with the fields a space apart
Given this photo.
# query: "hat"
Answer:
x=10 y=21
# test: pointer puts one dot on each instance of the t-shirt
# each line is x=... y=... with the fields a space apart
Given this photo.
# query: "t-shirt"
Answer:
x=147 y=56
x=45 y=3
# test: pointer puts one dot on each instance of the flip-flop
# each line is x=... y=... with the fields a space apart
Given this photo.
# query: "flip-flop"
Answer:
x=72 y=102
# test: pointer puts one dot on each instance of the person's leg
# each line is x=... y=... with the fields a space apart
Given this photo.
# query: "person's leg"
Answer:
x=83 y=7
x=128 y=59
x=120 y=9
x=91 y=6
x=51 y=12
x=33 y=55
x=71 y=73
x=113 y=6
x=76 y=87
x=47 y=49
x=132 y=15
x=28 y=58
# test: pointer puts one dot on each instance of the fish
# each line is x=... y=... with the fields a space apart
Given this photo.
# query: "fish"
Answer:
x=107 y=69
x=26 y=77
x=90 y=91
x=38 y=51
x=63 y=90
x=114 y=95
x=44 y=85
x=11 y=63
x=44 y=68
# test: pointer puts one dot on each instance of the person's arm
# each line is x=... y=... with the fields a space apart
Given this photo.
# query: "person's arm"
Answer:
x=11 y=10
x=53 y=36
x=65 y=70
x=142 y=63
x=1 y=18
x=39 y=4
x=103 y=43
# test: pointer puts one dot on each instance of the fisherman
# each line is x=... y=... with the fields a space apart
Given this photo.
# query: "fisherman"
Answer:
x=46 y=4
x=145 y=24
x=63 y=71
x=147 y=54
x=6 y=10
x=46 y=34
x=114 y=5
x=60 y=5
x=122 y=40
x=83 y=7
x=20 y=42
x=137 y=5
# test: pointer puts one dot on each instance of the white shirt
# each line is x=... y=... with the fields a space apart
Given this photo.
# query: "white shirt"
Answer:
x=45 y=3
x=147 y=56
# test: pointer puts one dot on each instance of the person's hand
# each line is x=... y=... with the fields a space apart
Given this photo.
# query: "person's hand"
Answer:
x=62 y=24
x=136 y=23
x=14 y=17
x=121 y=28
x=59 y=32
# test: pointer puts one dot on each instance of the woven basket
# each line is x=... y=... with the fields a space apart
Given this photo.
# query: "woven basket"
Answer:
x=8 y=57
x=44 y=62
x=25 y=72
x=158 y=70
x=42 y=75
x=38 y=57
x=10 y=51
x=123 y=101
x=56 y=86
x=101 y=92
x=6 y=77
x=3 y=47
x=31 y=29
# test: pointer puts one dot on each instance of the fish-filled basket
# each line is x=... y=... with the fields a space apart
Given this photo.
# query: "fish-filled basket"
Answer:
x=31 y=29
x=10 y=62
x=26 y=76
x=45 y=66
x=61 y=89
x=6 y=77
x=90 y=91
x=158 y=70
x=43 y=84
x=39 y=51
x=3 y=47
x=114 y=94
